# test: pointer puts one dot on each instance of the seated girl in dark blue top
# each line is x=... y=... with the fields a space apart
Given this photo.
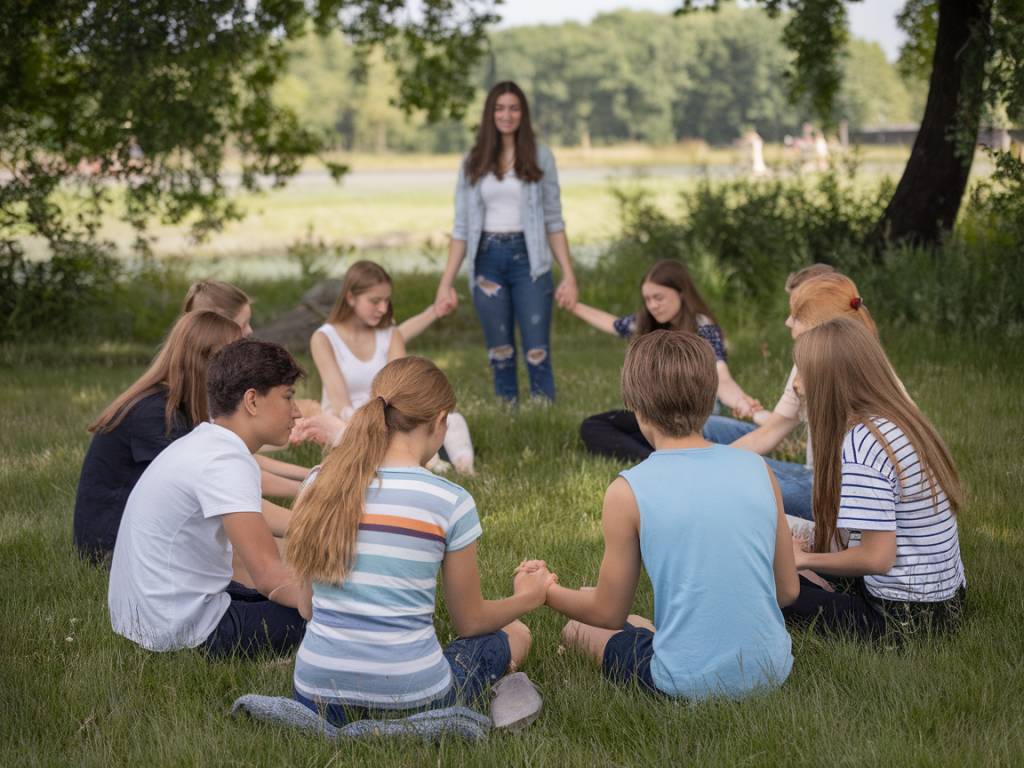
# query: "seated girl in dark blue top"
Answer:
x=669 y=300
x=165 y=403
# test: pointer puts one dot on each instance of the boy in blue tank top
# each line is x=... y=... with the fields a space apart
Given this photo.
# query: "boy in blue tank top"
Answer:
x=707 y=523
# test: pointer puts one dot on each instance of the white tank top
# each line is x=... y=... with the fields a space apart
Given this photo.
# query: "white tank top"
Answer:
x=503 y=209
x=358 y=374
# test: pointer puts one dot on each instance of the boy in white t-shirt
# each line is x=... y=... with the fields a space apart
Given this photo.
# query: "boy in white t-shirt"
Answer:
x=198 y=502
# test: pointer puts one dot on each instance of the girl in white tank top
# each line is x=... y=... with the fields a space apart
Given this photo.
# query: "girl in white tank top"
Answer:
x=358 y=339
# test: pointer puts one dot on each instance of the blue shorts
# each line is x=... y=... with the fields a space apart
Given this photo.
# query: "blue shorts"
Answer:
x=627 y=657
x=476 y=662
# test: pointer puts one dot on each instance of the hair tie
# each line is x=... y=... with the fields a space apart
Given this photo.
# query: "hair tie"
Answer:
x=855 y=302
x=383 y=400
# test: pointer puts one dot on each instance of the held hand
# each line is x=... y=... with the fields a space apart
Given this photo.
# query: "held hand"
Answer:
x=746 y=407
x=799 y=552
x=534 y=584
x=529 y=566
x=446 y=301
x=566 y=295
x=323 y=428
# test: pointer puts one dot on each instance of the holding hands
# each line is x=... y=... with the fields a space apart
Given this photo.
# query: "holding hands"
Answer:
x=533 y=578
x=446 y=301
x=566 y=295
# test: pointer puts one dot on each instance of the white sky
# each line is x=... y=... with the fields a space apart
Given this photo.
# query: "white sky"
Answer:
x=873 y=20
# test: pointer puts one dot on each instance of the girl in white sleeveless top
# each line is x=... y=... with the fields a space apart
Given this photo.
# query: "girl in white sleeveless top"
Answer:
x=359 y=338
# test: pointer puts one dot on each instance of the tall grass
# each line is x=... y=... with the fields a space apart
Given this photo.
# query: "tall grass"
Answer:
x=74 y=694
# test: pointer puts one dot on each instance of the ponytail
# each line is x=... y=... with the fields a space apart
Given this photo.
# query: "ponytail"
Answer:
x=406 y=394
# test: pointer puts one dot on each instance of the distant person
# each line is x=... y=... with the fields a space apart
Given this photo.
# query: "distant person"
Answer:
x=706 y=523
x=885 y=479
x=359 y=338
x=280 y=478
x=164 y=404
x=508 y=221
x=756 y=144
x=197 y=504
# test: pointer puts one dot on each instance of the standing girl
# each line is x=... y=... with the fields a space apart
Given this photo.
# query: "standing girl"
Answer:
x=369 y=535
x=357 y=341
x=508 y=220
x=884 y=476
x=668 y=300
x=165 y=403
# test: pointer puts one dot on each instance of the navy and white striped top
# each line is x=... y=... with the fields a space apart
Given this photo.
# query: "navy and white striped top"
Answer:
x=928 y=566
x=707 y=329
x=371 y=641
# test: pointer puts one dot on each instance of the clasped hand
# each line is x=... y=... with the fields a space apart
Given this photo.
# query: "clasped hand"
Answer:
x=533 y=578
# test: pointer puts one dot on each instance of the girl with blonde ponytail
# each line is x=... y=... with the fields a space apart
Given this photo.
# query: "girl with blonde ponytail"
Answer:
x=885 y=477
x=369 y=533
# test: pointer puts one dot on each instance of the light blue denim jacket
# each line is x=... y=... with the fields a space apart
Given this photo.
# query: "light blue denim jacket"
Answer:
x=542 y=214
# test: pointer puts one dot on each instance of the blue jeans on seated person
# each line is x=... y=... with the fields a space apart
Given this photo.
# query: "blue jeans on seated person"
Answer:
x=627 y=657
x=253 y=625
x=505 y=295
x=476 y=662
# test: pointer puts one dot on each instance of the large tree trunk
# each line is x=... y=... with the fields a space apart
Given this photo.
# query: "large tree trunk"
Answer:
x=928 y=196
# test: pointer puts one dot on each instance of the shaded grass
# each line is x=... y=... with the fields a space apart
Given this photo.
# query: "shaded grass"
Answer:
x=75 y=694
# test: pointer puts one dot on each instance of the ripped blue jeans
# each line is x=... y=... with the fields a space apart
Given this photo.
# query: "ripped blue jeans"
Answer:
x=505 y=295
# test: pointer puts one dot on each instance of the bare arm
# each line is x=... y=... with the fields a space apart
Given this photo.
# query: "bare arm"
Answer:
x=397 y=347
x=598 y=318
x=732 y=395
x=472 y=615
x=566 y=294
x=875 y=555
x=281 y=468
x=330 y=373
x=446 y=295
x=250 y=537
x=277 y=517
x=787 y=582
x=417 y=324
x=767 y=437
x=275 y=485
x=608 y=605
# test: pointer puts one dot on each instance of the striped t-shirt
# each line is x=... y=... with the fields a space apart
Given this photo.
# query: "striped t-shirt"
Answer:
x=371 y=641
x=928 y=566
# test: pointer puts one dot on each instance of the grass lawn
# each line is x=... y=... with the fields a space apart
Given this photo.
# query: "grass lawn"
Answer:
x=74 y=694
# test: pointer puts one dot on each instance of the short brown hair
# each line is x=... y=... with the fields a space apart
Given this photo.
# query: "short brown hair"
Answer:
x=247 y=364
x=669 y=380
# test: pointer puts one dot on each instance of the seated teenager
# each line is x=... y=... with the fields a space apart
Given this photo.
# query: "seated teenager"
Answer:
x=369 y=535
x=885 y=479
x=280 y=478
x=198 y=502
x=164 y=404
x=706 y=522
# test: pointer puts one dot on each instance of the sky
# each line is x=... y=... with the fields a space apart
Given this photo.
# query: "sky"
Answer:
x=873 y=20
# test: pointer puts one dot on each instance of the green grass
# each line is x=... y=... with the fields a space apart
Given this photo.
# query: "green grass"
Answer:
x=74 y=694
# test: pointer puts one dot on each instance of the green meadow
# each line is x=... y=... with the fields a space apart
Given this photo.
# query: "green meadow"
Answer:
x=75 y=694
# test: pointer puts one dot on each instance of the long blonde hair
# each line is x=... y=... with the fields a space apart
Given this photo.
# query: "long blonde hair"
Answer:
x=406 y=394
x=848 y=380
x=216 y=296
x=827 y=296
x=180 y=368
x=359 y=278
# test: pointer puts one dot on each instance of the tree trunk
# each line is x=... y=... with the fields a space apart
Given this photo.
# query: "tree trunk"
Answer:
x=928 y=195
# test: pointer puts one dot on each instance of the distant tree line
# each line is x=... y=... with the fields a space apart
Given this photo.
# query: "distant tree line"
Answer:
x=627 y=76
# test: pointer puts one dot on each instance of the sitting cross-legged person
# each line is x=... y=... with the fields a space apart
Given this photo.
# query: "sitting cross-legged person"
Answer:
x=197 y=504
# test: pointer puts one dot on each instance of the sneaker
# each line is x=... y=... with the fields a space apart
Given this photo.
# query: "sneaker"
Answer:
x=516 y=702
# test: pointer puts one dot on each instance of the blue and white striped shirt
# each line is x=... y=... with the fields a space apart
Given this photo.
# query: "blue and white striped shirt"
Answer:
x=371 y=641
x=928 y=566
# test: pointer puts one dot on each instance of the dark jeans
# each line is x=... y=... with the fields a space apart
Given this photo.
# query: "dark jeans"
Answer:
x=855 y=612
x=617 y=434
x=253 y=625
x=505 y=295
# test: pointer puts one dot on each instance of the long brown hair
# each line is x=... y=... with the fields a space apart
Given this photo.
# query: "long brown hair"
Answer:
x=407 y=393
x=216 y=296
x=673 y=274
x=359 y=278
x=485 y=156
x=828 y=296
x=180 y=368
x=848 y=380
